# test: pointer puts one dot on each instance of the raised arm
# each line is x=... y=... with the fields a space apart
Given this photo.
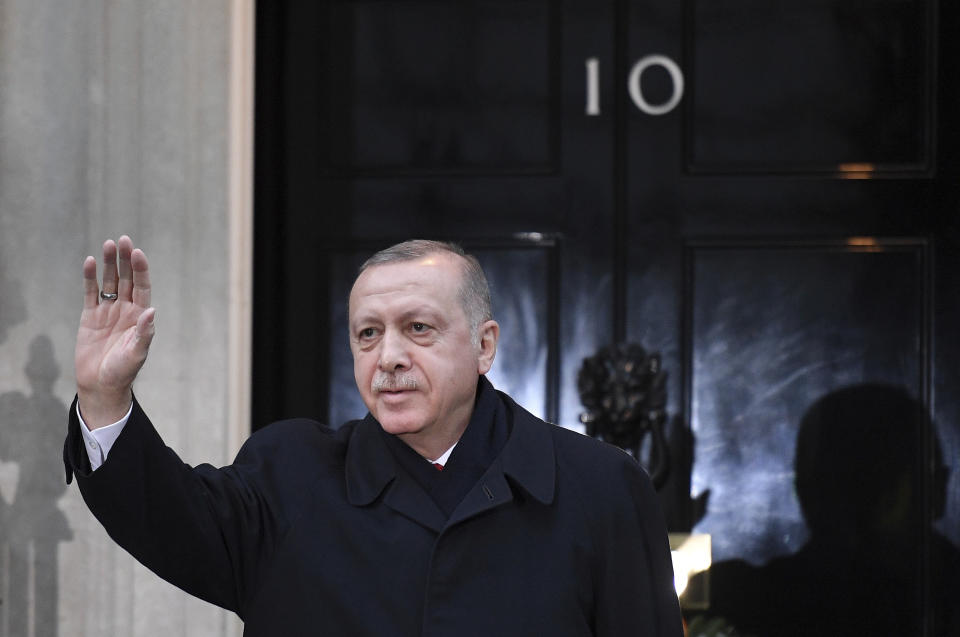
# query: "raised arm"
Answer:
x=200 y=528
x=116 y=328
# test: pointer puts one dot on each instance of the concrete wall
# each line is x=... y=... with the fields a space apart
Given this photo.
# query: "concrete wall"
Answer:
x=117 y=117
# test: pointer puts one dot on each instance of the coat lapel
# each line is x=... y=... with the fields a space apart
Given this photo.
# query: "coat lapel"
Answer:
x=527 y=459
x=371 y=468
x=490 y=491
x=408 y=498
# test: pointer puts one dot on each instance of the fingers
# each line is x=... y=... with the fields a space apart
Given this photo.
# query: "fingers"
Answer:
x=141 y=278
x=109 y=267
x=125 y=273
x=125 y=283
x=90 y=287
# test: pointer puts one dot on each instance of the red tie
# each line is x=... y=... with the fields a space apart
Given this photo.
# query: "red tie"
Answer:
x=438 y=466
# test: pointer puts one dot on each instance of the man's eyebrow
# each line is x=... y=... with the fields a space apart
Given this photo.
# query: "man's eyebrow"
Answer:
x=367 y=317
x=422 y=311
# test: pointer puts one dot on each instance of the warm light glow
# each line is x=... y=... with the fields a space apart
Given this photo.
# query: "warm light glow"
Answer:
x=865 y=244
x=692 y=554
x=855 y=170
x=680 y=578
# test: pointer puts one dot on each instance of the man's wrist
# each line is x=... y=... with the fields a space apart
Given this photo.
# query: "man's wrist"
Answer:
x=100 y=409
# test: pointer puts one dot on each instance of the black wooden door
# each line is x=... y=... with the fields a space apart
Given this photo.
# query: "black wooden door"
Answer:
x=763 y=193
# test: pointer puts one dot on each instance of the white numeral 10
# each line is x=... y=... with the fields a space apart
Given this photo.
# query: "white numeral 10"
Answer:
x=633 y=85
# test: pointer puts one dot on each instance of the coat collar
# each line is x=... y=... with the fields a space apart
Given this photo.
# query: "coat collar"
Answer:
x=372 y=468
x=527 y=459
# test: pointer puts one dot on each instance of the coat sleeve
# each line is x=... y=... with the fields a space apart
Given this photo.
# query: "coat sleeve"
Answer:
x=635 y=594
x=203 y=529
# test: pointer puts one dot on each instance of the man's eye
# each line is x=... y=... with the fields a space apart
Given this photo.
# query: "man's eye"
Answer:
x=368 y=332
x=419 y=327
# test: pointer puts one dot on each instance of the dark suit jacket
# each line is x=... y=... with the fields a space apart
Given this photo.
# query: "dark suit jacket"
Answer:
x=318 y=532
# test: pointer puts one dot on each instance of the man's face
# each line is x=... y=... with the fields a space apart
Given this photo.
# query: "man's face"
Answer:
x=414 y=358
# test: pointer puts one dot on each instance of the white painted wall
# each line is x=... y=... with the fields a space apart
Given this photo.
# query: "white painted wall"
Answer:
x=117 y=117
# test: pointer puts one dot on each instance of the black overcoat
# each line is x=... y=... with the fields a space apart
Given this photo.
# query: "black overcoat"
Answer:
x=318 y=532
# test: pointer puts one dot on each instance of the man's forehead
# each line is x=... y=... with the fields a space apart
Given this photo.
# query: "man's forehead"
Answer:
x=436 y=268
x=433 y=275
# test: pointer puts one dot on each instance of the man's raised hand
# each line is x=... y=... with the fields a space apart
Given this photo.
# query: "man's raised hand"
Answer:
x=115 y=332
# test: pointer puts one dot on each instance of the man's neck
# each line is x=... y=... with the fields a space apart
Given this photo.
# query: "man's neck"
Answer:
x=435 y=445
x=444 y=457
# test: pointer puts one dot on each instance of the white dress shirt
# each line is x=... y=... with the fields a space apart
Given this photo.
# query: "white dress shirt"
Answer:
x=99 y=441
x=442 y=460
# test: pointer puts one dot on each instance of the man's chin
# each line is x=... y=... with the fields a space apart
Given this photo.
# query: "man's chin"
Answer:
x=399 y=426
x=396 y=421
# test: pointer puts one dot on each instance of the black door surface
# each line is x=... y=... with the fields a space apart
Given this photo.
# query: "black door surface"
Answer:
x=763 y=193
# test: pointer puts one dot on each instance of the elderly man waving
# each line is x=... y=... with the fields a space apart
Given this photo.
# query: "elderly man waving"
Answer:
x=447 y=510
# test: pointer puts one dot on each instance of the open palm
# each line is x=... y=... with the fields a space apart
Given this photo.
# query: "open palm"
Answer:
x=115 y=334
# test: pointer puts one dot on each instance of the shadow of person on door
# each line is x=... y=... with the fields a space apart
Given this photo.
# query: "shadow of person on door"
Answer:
x=860 y=476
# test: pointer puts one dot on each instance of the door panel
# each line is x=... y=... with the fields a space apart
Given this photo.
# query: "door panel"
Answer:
x=430 y=87
x=799 y=87
x=772 y=330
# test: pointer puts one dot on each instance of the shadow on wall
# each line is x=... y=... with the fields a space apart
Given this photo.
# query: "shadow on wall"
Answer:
x=859 y=472
x=31 y=525
x=12 y=309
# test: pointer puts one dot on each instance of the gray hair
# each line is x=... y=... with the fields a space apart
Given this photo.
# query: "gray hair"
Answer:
x=474 y=292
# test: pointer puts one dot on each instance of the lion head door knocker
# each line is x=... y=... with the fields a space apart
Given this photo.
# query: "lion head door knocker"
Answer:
x=623 y=389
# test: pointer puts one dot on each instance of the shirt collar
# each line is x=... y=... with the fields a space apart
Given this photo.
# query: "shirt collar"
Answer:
x=442 y=460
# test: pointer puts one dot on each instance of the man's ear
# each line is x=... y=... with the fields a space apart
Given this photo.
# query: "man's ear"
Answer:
x=487 y=348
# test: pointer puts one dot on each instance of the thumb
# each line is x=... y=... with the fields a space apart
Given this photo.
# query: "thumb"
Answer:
x=145 y=330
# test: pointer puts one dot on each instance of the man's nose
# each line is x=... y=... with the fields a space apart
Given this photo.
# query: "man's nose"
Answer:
x=393 y=352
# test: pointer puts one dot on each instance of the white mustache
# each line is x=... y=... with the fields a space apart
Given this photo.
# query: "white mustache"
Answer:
x=385 y=381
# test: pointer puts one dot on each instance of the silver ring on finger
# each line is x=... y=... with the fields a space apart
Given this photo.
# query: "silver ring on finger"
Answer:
x=108 y=296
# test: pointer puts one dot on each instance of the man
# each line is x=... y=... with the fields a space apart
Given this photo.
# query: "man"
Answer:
x=528 y=529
